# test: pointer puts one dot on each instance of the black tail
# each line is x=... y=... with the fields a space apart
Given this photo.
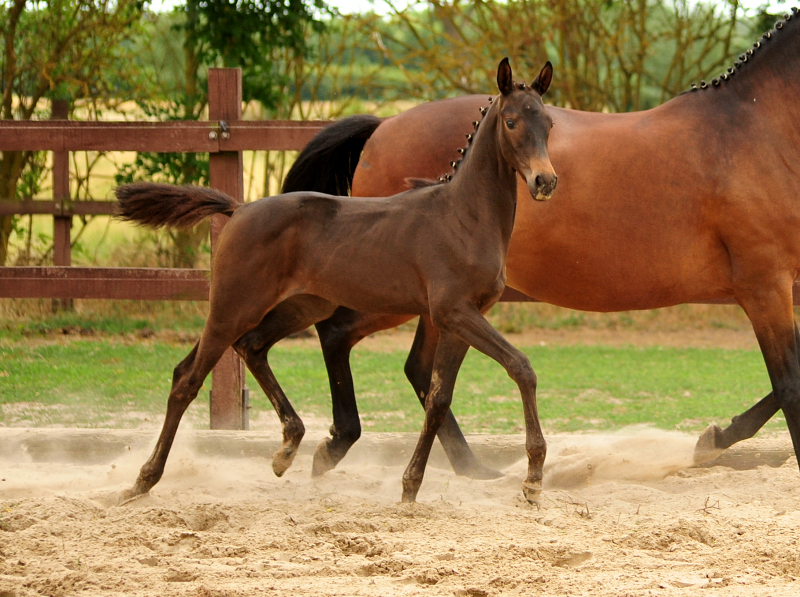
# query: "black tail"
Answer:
x=156 y=205
x=328 y=162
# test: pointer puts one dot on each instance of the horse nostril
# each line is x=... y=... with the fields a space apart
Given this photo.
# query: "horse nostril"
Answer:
x=539 y=180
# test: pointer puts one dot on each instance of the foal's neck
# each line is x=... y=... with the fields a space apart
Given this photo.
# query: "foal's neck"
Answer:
x=485 y=184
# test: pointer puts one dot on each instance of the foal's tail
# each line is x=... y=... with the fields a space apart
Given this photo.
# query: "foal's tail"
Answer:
x=155 y=205
x=328 y=162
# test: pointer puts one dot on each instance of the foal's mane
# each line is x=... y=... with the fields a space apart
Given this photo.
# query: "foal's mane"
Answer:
x=421 y=183
x=782 y=31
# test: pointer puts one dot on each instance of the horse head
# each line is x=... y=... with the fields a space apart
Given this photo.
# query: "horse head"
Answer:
x=524 y=127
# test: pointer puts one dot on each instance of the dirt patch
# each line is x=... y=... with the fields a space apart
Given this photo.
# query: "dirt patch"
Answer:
x=620 y=516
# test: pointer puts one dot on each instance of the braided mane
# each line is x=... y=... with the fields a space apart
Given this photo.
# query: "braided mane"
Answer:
x=745 y=57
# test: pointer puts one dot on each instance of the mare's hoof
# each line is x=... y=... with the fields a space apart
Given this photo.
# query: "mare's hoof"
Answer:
x=709 y=445
x=281 y=461
x=322 y=460
x=532 y=491
x=482 y=472
x=130 y=495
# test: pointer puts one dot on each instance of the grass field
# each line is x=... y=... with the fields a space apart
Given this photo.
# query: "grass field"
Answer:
x=114 y=382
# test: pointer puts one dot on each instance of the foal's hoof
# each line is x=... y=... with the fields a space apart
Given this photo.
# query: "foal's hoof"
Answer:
x=709 y=445
x=532 y=491
x=410 y=490
x=282 y=460
x=322 y=460
x=409 y=497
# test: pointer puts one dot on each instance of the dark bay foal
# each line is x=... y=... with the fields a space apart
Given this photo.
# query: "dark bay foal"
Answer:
x=437 y=251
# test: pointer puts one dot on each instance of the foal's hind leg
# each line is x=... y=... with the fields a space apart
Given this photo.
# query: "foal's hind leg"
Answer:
x=187 y=379
x=289 y=317
x=714 y=440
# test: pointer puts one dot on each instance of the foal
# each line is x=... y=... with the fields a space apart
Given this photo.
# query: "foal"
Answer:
x=437 y=251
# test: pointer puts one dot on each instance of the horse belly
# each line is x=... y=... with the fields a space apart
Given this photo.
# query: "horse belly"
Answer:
x=610 y=260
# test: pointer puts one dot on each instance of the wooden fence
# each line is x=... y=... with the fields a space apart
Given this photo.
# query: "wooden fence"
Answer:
x=224 y=136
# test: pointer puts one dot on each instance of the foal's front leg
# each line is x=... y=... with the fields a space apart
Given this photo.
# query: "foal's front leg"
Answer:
x=337 y=335
x=419 y=371
x=467 y=322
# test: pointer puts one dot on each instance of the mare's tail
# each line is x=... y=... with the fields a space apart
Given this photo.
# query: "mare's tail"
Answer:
x=155 y=205
x=328 y=162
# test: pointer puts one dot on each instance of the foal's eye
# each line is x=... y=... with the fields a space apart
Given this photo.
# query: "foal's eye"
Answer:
x=510 y=123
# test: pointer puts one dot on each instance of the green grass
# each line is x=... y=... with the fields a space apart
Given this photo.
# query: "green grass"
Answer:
x=109 y=383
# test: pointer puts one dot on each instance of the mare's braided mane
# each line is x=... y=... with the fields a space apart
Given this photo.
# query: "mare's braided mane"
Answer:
x=745 y=56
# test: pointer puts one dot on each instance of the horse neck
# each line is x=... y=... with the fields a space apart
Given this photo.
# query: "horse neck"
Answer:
x=770 y=75
x=485 y=184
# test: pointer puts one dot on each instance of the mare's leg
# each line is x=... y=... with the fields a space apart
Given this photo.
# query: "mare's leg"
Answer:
x=337 y=336
x=715 y=440
x=466 y=322
x=450 y=353
x=289 y=317
x=419 y=369
x=769 y=307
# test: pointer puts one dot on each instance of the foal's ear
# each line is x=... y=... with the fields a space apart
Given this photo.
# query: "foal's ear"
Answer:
x=542 y=81
x=505 y=82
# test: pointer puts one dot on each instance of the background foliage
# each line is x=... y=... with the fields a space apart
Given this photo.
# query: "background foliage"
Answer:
x=304 y=60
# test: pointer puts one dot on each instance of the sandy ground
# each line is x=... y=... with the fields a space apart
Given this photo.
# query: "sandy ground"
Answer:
x=621 y=515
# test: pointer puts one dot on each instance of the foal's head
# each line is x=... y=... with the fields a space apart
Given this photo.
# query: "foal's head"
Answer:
x=524 y=128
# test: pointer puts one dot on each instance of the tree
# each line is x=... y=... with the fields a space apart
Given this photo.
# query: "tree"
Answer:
x=609 y=55
x=58 y=49
x=238 y=33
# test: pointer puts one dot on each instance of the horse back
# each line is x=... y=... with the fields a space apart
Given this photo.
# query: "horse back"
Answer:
x=649 y=208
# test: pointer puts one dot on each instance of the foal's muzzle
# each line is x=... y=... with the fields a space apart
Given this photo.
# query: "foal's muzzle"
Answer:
x=542 y=185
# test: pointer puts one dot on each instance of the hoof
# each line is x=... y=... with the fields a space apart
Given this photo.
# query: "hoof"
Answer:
x=709 y=444
x=281 y=461
x=130 y=495
x=410 y=490
x=322 y=460
x=532 y=491
x=409 y=497
x=482 y=472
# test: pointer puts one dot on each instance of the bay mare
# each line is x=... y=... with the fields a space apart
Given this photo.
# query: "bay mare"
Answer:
x=695 y=200
x=437 y=250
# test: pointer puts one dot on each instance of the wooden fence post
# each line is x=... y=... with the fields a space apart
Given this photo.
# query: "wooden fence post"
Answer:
x=228 y=392
x=62 y=224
